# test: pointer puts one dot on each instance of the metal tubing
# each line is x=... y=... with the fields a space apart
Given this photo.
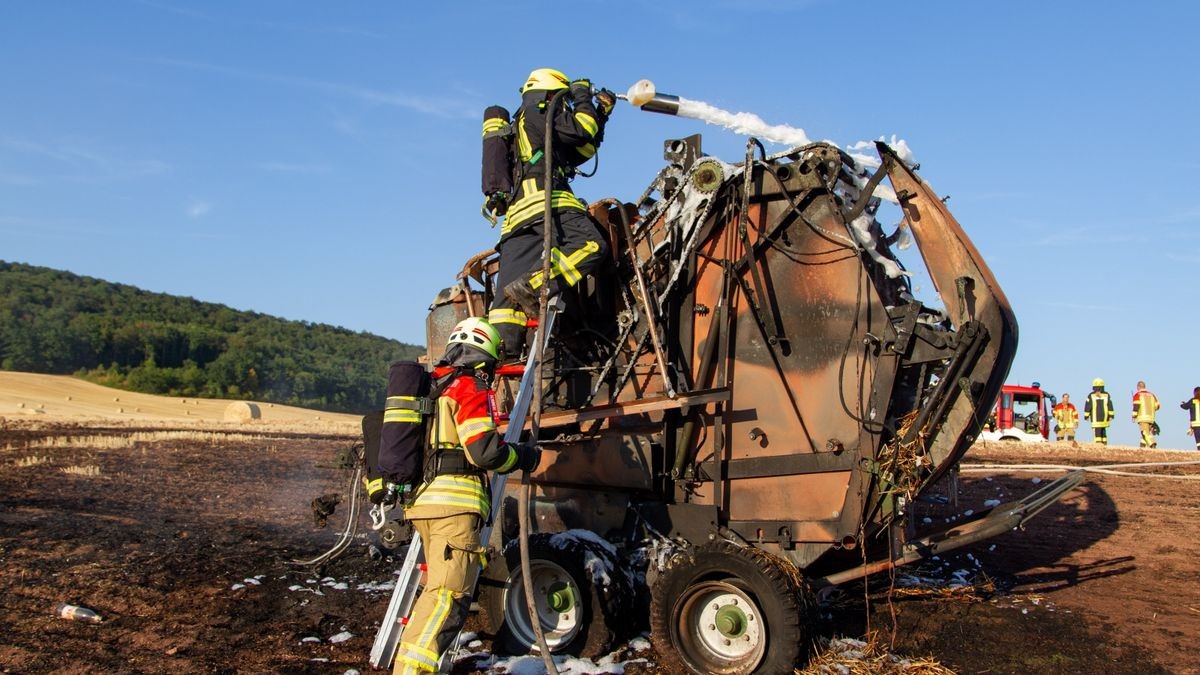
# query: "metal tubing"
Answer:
x=683 y=453
x=642 y=290
x=998 y=521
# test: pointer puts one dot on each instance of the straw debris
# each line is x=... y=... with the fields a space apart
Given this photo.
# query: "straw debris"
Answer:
x=903 y=466
x=847 y=656
x=977 y=591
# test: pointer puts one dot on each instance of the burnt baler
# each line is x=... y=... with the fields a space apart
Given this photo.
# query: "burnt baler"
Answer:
x=750 y=400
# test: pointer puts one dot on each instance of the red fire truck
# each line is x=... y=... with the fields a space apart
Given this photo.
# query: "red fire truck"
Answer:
x=1022 y=413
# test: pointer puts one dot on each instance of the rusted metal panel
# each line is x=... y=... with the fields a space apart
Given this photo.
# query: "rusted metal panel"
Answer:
x=971 y=294
x=451 y=306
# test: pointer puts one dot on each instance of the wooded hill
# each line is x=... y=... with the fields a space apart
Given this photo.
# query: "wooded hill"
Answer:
x=121 y=336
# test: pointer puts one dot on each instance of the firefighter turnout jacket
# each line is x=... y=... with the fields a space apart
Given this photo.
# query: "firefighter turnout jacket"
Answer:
x=464 y=443
x=578 y=131
x=1066 y=416
x=1099 y=409
x=1193 y=408
x=1145 y=405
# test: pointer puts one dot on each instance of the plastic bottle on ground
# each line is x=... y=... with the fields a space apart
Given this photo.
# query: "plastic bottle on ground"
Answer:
x=76 y=613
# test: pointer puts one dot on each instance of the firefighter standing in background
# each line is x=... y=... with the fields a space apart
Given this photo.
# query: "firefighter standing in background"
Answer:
x=1099 y=410
x=449 y=508
x=579 y=246
x=1193 y=408
x=1066 y=417
x=1145 y=406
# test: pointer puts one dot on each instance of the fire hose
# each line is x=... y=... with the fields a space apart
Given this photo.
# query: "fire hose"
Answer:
x=1107 y=469
x=536 y=406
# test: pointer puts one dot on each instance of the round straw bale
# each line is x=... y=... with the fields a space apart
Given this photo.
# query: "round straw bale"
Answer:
x=242 y=411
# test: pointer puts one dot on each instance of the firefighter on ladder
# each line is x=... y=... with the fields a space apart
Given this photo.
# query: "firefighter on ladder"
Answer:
x=579 y=246
x=1193 y=408
x=1099 y=410
x=1066 y=418
x=450 y=507
x=1145 y=407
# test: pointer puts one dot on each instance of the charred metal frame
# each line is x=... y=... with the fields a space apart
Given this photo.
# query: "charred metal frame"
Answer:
x=706 y=307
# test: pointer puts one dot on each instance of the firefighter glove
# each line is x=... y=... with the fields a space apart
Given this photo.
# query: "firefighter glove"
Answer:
x=581 y=90
x=528 y=457
x=605 y=100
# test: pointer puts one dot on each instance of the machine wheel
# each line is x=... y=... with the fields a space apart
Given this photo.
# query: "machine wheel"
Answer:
x=578 y=616
x=724 y=608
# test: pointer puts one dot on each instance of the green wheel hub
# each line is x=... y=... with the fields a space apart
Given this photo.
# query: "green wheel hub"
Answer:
x=560 y=598
x=731 y=621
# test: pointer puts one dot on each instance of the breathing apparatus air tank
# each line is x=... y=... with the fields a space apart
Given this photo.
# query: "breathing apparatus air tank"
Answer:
x=497 y=162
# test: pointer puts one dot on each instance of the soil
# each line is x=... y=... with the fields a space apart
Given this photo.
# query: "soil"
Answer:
x=182 y=542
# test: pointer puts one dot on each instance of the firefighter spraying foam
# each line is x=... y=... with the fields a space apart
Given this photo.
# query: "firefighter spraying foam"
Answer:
x=515 y=184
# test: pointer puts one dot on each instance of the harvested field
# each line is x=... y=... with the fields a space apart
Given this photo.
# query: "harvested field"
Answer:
x=180 y=538
x=61 y=398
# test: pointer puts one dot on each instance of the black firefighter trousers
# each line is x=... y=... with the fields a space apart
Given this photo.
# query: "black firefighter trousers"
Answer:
x=578 y=249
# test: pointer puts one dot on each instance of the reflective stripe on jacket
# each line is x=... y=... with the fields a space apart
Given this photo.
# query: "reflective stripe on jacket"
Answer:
x=1066 y=415
x=1144 y=406
x=464 y=421
x=578 y=132
x=1099 y=409
x=1193 y=408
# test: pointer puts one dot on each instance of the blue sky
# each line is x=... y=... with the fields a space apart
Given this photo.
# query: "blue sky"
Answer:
x=319 y=161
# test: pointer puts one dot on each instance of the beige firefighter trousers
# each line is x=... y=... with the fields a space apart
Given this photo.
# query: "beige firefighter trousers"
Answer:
x=451 y=547
x=1147 y=429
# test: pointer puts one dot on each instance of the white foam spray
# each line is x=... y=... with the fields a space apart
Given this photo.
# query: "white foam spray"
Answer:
x=747 y=124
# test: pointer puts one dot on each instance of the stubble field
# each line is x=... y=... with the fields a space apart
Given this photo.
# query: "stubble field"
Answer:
x=181 y=537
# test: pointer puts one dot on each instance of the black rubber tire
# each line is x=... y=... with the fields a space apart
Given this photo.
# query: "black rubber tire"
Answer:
x=723 y=569
x=601 y=611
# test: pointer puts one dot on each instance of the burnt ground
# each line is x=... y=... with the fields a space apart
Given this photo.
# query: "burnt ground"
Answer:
x=157 y=540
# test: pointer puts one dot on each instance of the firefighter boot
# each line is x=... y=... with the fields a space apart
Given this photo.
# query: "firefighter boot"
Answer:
x=522 y=293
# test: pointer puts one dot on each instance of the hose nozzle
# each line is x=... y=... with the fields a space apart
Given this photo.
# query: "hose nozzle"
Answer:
x=644 y=95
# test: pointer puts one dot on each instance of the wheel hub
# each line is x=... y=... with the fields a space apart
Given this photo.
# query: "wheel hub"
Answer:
x=731 y=621
x=721 y=622
x=560 y=598
x=556 y=597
